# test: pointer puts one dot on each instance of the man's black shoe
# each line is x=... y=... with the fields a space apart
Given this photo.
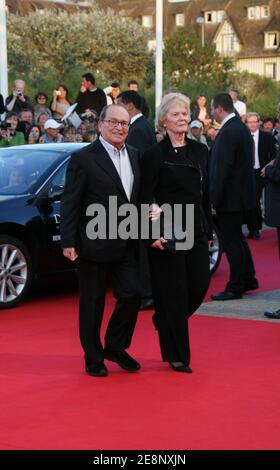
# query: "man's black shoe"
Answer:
x=123 y=359
x=275 y=315
x=252 y=285
x=147 y=304
x=97 y=369
x=226 y=295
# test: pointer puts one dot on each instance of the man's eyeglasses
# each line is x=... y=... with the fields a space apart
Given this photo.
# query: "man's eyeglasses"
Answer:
x=114 y=123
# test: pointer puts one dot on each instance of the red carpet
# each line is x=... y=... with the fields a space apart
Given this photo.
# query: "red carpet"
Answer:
x=229 y=402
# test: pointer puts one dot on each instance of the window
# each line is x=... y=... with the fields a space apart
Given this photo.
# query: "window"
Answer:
x=180 y=19
x=220 y=16
x=258 y=12
x=214 y=16
x=271 y=40
x=209 y=17
x=228 y=41
x=270 y=70
x=265 y=11
x=147 y=21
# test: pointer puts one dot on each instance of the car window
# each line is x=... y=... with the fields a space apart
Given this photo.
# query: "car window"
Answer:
x=20 y=169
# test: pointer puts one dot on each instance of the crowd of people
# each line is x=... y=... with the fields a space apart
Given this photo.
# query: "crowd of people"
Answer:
x=30 y=121
x=217 y=158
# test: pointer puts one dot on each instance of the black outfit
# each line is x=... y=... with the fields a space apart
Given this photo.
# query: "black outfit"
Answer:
x=2 y=106
x=233 y=193
x=95 y=100
x=142 y=136
x=180 y=280
x=272 y=196
x=92 y=178
x=266 y=152
x=20 y=105
x=272 y=210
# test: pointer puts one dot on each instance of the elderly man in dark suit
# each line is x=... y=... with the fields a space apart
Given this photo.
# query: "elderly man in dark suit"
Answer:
x=264 y=152
x=104 y=169
x=232 y=190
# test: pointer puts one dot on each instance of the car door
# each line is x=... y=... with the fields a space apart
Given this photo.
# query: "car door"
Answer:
x=48 y=203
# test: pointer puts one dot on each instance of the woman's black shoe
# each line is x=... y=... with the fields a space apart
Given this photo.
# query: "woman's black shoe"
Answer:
x=180 y=367
x=97 y=369
x=155 y=321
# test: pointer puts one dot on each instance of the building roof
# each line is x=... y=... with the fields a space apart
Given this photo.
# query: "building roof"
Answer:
x=24 y=7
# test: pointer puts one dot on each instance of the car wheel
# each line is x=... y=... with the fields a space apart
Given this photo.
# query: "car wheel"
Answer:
x=215 y=251
x=15 y=271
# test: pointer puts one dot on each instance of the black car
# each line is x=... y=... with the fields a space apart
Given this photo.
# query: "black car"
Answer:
x=31 y=184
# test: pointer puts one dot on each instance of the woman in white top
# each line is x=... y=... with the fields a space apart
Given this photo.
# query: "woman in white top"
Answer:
x=60 y=102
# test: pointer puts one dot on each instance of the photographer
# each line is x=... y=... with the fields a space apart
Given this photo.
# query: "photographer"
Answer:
x=60 y=102
x=8 y=134
x=18 y=101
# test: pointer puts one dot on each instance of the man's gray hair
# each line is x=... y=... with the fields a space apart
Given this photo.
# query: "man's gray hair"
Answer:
x=253 y=114
x=104 y=110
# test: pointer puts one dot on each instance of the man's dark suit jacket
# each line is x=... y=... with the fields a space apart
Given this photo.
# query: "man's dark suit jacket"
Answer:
x=232 y=180
x=2 y=106
x=266 y=148
x=141 y=135
x=91 y=178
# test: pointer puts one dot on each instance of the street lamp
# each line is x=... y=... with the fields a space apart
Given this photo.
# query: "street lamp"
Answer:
x=200 y=20
x=3 y=51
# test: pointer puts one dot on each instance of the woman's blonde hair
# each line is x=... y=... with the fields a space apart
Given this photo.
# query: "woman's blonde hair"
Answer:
x=167 y=101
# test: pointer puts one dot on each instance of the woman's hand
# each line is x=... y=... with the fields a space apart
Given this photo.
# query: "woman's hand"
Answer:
x=158 y=244
x=263 y=169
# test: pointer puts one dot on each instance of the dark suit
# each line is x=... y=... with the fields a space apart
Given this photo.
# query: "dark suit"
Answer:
x=92 y=178
x=266 y=153
x=233 y=193
x=141 y=135
x=272 y=196
x=2 y=106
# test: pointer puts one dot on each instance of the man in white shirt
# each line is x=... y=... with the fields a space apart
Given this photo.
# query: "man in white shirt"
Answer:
x=264 y=151
x=240 y=106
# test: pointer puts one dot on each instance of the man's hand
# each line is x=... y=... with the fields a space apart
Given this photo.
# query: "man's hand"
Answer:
x=155 y=212
x=70 y=253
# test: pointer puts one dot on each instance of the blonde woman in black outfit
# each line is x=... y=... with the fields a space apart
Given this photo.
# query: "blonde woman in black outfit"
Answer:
x=174 y=171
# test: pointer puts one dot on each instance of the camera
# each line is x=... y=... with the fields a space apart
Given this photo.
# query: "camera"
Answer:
x=4 y=125
x=58 y=92
x=19 y=92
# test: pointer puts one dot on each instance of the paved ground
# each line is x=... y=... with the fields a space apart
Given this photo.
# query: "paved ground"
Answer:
x=250 y=307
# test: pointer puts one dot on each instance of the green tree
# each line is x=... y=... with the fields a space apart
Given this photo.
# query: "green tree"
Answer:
x=53 y=45
x=185 y=58
x=260 y=93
